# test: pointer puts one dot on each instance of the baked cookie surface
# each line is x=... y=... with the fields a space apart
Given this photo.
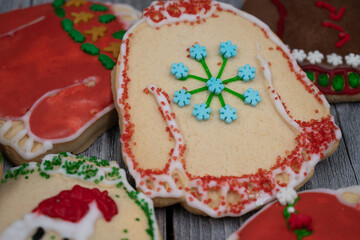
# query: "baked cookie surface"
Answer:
x=73 y=197
x=323 y=37
x=56 y=61
x=315 y=214
x=199 y=126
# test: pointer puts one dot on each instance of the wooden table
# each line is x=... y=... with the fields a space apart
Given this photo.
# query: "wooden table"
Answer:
x=340 y=170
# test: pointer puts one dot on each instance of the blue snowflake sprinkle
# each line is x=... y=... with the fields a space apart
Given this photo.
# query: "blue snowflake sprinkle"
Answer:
x=227 y=113
x=246 y=73
x=198 y=52
x=215 y=85
x=252 y=97
x=201 y=112
x=227 y=50
x=179 y=70
x=182 y=98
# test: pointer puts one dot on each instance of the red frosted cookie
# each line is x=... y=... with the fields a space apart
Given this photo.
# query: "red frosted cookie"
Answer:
x=323 y=37
x=315 y=214
x=55 y=68
x=215 y=113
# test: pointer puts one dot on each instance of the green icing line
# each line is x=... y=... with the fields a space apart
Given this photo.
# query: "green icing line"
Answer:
x=310 y=75
x=106 y=18
x=106 y=61
x=98 y=7
x=90 y=48
x=235 y=93
x=323 y=80
x=222 y=67
x=203 y=63
x=221 y=100
x=198 y=90
x=338 y=82
x=119 y=34
x=195 y=77
x=84 y=169
x=77 y=36
x=67 y=24
x=209 y=99
x=234 y=79
x=353 y=80
x=60 y=12
x=58 y=3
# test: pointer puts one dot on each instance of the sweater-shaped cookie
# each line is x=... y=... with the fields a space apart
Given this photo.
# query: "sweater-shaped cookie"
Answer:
x=55 y=75
x=315 y=214
x=73 y=197
x=215 y=113
x=323 y=37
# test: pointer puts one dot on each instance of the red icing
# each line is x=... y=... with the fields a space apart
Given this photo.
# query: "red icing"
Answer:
x=344 y=37
x=332 y=25
x=330 y=219
x=72 y=205
x=337 y=16
x=41 y=58
x=282 y=15
x=300 y=221
x=328 y=89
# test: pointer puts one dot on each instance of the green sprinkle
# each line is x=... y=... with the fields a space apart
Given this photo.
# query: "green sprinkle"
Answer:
x=125 y=230
x=52 y=237
x=137 y=219
x=67 y=24
x=90 y=48
x=26 y=177
x=338 y=82
x=77 y=36
x=58 y=3
x=60 y=12
x=120 y=34
x=117 y=195
x=353 y=80
x=96 y=181
x=310 y=75
x=106 y=18
x=119 y=184
x=323 y=80
x=98 y=7
x=106 y=61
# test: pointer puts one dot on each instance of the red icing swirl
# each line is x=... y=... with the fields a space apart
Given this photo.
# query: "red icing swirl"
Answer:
x=72 y=205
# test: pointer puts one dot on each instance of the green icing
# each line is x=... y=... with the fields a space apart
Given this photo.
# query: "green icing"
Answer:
x=98 y=7
x=106 y=61
x=60 y=12
x=58 y=3
x=119 y=34
x=338 y=82
x=77 y=36
x=90 y=48
x=310 y=75
x=353 y=80
x=323 y=79
x=106 y=18
x=67 y=24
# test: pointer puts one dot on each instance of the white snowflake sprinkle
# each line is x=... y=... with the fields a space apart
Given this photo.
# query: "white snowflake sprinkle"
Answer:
x=299 y=54
x=353 y=60
x=334 y=59
x=286 y=196
x=315 y=57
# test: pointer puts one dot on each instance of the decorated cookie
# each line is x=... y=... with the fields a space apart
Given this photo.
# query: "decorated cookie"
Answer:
x=314 y=214
x=215 y=113
x=55 y=67
x=322 y=36
x=73 y=197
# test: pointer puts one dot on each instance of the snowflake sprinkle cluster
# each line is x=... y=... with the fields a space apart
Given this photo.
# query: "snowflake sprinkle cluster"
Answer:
x=214 y=85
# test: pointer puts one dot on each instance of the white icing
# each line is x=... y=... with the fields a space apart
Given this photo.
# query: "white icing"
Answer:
x=315 y=57
x=81 y=230
x=353 y=60
x=299 y=54
x=286 y=195
x=291 y=210
x=12 y=32
x=25 y=151
x=334 y=59
x=262 y=196
x=125 y=13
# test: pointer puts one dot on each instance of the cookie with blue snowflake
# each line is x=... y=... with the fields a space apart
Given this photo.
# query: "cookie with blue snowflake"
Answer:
x=214 y=113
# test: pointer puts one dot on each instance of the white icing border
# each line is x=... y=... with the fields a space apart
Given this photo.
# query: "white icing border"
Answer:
x=263 y=198
x=67 y=229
